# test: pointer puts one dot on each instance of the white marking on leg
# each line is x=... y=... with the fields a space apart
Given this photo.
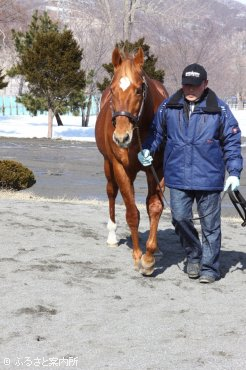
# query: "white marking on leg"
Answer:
x=124 y=83
x=112 y=239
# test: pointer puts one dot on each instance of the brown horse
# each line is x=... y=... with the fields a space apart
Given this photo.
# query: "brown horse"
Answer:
x=127 y=111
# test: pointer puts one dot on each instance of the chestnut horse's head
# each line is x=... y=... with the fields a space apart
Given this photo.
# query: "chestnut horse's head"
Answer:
x=128 y=90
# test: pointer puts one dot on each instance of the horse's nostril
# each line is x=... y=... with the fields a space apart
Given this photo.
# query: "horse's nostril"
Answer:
x=126 y=138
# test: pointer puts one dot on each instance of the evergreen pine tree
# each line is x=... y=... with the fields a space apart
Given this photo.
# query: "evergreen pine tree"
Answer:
x=149 y=62
x=49 y=60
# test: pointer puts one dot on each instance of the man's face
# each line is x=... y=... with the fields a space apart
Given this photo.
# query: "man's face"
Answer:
x=193 y=92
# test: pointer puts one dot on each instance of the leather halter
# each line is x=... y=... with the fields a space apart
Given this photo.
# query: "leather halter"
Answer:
x=132 y=118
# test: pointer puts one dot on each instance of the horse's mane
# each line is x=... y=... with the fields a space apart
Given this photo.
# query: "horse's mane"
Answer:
x=126 y=54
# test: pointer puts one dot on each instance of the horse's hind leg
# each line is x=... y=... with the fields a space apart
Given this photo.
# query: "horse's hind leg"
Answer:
x=155 y=207
x=112 y=191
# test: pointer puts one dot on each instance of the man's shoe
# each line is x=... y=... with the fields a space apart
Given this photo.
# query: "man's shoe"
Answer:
x=193 y=270
x=205 y=279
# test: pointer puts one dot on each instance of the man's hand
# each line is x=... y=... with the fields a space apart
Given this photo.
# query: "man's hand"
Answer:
x=145 y=158
x=233 y=182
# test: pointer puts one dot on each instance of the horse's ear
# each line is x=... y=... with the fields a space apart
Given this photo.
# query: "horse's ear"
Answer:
x=139 y=57
x=116 y=58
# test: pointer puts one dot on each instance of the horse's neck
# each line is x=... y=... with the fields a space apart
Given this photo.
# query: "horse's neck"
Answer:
x=160 y=88
x=152 y=93
x=105 y=97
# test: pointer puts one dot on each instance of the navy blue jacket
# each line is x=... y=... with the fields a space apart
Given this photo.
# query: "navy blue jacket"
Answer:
x=197 y=149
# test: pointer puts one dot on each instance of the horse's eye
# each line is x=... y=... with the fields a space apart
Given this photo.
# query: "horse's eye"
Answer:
x=138 y=91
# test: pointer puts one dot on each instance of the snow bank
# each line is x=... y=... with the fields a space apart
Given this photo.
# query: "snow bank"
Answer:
x=37 y=127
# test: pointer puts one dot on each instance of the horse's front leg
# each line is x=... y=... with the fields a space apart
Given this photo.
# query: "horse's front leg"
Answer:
x=155 y=207
x=125 y=183
x=112 y=191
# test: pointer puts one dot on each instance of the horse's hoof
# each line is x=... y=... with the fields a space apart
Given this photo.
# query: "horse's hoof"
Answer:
x=147 y=269
x=115 y=245
x=147 y=272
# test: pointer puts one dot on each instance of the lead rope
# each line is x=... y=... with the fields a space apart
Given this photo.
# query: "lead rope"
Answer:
x=153 y=171
x=238 y=201
x=162 y=192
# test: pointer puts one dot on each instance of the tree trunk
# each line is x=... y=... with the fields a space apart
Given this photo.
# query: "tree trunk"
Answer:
x=239 y=101
x=109 y=17
x=58 y=119
x=88 y=111
x=50 y=123
x=98 y=100
x=130 y=7
x=21 y=85
x=83 y=117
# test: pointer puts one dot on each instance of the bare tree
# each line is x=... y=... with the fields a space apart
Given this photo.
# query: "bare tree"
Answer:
x=130 y=8
x=89 y=31
x=238 y=58
x=184 y=46
x=179 y=32
x=12 y=15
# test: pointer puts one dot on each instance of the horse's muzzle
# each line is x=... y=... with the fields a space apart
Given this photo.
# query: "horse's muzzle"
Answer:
x=123 y=141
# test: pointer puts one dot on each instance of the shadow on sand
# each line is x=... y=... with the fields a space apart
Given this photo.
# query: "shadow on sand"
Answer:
x=171 y=253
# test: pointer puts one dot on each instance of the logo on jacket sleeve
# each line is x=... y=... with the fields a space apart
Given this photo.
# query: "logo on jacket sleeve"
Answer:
x=235 y=130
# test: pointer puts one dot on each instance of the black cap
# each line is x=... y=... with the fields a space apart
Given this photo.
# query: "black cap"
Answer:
x=194 y=74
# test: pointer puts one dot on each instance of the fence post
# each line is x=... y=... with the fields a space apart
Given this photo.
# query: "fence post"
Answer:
x=3 y=107
x=10 y=105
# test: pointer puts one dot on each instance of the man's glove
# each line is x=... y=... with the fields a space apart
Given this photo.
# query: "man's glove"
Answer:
x=233 y=182
x=145 y=158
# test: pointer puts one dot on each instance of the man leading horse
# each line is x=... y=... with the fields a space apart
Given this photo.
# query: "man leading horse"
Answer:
x=202 y=140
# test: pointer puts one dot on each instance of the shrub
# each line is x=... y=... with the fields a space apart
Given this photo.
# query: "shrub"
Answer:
x=13 y=175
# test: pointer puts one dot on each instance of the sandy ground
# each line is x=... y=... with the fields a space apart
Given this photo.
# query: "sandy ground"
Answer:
x=69 y=300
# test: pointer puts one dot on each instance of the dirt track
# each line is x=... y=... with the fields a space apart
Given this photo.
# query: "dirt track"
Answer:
x=65 y=294
x=69 y=300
